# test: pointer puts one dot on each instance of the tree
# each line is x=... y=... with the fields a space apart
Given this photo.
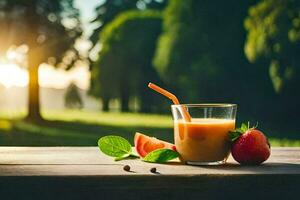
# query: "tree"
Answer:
x=107 y=11
x=72 y=97
x=273 y=43
x=124 y=64
x=49 y=29
x=200 y=53
x=274 y=36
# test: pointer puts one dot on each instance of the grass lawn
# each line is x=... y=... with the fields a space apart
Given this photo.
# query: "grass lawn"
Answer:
x=83 y=128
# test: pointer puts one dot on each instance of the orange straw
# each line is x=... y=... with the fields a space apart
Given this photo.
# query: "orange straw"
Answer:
x=171 y=96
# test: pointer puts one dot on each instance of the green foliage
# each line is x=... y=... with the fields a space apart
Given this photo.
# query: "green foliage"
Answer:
x=49 y=29
x=124 y=65
x=108 y=10
x=200 y=50
x=83 y=128
x=274 y=36
x=73 y=97
x=42 y=25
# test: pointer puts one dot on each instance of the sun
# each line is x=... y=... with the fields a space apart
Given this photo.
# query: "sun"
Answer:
x=13 y=75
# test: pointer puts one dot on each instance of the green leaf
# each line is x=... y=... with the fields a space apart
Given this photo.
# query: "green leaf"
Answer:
x=122 y=157
x=244 y=127
x=115 y=146
x=132 y=154
x=238 y=130
x=161 y=155
x=126 y=156
x=234 y=135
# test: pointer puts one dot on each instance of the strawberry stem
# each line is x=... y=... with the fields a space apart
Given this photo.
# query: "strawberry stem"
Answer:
x=235 y=134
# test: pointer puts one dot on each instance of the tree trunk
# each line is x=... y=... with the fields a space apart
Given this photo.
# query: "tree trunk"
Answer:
x=145 y=102
x=33 y=90
x=124 y=101
x=105 y=104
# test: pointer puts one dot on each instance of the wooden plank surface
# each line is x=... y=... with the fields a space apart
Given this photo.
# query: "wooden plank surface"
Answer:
x=82 y=161
x=84 y=173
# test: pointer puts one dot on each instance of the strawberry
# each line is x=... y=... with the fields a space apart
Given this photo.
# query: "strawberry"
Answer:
x=250 y=146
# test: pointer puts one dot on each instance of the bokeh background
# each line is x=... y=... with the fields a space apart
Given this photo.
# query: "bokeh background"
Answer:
x=72 y=71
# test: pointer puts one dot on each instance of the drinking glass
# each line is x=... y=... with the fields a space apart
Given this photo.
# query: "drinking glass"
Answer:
x=202 y=138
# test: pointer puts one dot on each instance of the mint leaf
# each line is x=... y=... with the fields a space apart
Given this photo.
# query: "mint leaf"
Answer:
x=120 y=148
x=122 y=157
x=115 y=146
x=126 y=156
x=161 y=155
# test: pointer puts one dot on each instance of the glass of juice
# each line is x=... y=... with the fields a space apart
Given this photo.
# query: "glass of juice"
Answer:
x=202 y=138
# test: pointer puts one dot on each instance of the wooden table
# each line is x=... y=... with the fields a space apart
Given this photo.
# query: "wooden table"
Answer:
x=85 y=173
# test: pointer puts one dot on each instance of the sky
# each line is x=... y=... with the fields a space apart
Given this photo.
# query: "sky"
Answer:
x=87 y=12
x=13 y=75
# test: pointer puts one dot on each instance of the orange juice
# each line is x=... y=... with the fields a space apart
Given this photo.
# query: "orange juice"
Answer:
x=203 y=139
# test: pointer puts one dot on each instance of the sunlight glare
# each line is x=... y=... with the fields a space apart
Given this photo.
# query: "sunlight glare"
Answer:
x=13 y=75
x=11 y=55
x=59 y=78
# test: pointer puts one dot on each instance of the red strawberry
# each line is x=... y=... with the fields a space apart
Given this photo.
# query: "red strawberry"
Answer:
x=250 y=146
